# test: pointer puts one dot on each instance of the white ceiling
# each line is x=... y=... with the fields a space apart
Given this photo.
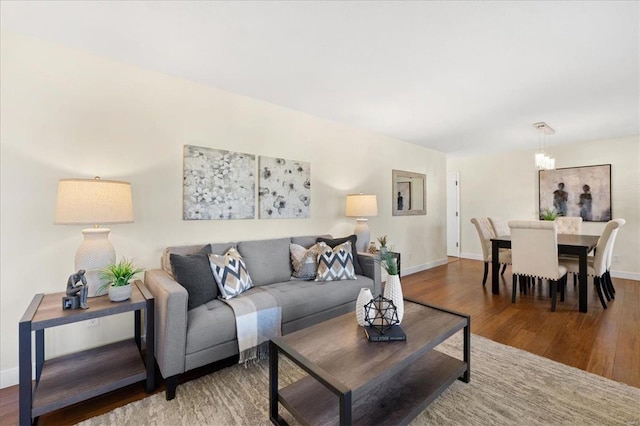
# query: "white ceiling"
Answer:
x=459 y=77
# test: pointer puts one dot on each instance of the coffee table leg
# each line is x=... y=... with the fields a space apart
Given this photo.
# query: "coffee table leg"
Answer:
x=273 y=383
x=345 y=408
x=466 y=377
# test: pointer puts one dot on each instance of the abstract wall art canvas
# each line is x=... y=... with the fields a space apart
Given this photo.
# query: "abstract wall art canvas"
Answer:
x=218 y=184
x=284 y=188
x=578 y=191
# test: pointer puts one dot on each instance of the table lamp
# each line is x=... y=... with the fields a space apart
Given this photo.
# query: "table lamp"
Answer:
x=94 y=202
x=360 y=206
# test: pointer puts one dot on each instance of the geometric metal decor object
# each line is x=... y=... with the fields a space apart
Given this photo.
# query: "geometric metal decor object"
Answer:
x=381 y=314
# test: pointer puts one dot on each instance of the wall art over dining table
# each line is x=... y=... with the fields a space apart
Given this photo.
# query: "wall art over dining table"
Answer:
x=218 y=184
x=284 y=188
x=577 y=191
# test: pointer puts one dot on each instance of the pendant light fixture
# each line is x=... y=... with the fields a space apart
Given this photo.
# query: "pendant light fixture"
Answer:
x=543 y=156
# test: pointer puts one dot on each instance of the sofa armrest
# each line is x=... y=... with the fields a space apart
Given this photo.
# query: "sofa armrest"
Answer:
x=170 y=321
x=371 y=268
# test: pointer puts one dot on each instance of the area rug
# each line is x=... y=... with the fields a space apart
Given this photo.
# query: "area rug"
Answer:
x=508 y=387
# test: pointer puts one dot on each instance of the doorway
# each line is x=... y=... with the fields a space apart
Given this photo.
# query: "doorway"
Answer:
x=453 y=214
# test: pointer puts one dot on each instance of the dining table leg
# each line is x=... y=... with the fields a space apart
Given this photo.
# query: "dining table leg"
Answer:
x=495 y=267
x=582 y=278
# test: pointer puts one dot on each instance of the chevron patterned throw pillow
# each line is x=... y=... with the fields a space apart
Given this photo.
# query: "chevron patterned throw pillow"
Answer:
x=230 y=273
x=336 y=264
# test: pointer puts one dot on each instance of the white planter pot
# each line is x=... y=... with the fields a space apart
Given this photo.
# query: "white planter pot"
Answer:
x=120 y=294
x=393 y=291
x=364 y=297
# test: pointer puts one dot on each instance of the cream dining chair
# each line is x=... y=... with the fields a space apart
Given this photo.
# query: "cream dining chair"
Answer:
x=534 y=254
x=568 y=224
x=608 y=282
x=485 y=233
x=500 y=226
x=597 y=265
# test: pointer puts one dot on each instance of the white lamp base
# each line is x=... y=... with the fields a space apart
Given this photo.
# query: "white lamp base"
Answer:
x=95 y=253
x=363 y=234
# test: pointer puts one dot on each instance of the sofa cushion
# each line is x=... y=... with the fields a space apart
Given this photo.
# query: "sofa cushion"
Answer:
x=193 y=272
x=332 y=242
x=336 y=264
x=230 y=272
x=306 y=298
x=165 y=260
x=308 y=240
x=208 y=325
x=267 y=260
x=305 y=261
x=221 y=248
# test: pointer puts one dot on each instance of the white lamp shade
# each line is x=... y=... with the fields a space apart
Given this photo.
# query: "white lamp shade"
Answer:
x=93 y=202
x=361 y=205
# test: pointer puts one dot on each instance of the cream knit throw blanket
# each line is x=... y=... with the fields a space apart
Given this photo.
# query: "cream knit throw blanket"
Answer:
x=258 y=319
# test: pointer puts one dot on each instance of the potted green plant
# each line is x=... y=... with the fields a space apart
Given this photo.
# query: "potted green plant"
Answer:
x=393 y=287
x=118 y=276
x=549 y=214
x=383 y=244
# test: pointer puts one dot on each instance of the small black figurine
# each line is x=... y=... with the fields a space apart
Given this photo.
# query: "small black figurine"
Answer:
x=77 y=283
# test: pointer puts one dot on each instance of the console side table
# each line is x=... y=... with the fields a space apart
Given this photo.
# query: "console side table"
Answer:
x=76 y=377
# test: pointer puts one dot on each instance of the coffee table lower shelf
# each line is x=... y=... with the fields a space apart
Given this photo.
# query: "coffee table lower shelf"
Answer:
x=398 y=400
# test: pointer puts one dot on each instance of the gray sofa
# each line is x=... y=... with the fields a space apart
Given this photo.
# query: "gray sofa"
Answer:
x=189 y=338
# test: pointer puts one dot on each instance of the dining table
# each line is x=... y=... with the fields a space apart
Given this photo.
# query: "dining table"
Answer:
x=571 y=244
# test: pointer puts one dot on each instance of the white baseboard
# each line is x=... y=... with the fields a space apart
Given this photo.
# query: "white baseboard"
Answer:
x=424 y=267
x=626 y=275
x=9 y=377
x=472 y=256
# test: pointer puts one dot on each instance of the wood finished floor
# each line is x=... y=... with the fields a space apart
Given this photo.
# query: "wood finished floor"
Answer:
x=604 y=342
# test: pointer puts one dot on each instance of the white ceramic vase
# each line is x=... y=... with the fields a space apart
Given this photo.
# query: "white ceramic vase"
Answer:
x=120 y=294
x=364 y=297
x=393 y=292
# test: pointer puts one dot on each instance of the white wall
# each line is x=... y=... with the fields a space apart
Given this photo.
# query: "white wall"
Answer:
x=66 y=113
x=506 y=185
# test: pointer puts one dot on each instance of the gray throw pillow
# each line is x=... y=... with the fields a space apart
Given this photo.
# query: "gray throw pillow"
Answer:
x=194 y=273
x=337 y=241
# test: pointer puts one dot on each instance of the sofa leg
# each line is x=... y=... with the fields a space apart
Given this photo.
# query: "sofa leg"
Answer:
x=172 y=384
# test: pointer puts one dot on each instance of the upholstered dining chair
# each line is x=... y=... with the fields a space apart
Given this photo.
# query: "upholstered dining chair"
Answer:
x=534 y=254
x=608 y=282
x=485 y=233
x=597 y=265
x=568 y=224
x=499 y=225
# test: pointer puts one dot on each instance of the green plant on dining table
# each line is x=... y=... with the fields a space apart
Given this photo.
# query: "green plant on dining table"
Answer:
x=549 y=214
x=118 y=274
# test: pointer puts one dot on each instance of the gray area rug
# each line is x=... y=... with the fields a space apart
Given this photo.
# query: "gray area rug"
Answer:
x=508 y=387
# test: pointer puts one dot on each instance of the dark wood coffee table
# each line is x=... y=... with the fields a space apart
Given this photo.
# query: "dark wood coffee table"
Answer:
x=353 y=381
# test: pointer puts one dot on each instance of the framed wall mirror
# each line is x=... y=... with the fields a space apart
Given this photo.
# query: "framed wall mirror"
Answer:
x=409 y=193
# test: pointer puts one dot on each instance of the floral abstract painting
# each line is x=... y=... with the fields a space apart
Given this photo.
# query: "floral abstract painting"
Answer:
x=285 y=188
x=218 y=184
